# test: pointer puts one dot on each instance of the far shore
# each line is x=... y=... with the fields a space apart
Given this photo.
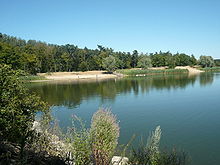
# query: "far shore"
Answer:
x=88 y=75
x=96 y=75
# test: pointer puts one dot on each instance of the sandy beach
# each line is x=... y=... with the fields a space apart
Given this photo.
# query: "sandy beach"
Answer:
x=96 y=75
x=77 y=75
x=192 y=71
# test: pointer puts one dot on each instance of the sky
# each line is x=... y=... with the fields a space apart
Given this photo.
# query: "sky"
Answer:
x=184 y=26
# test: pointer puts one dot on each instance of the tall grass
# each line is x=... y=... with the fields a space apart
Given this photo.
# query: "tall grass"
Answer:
x=132 y=72
x=97 y=145
x=32 y=78
x=80 y=142
x=213 y=69
x=104 y=133
x=149 y=154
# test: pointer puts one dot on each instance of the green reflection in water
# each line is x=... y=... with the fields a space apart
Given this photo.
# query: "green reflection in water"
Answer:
x=71 y=93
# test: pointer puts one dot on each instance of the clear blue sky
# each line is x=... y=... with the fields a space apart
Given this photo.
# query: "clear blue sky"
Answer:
x=189 y=26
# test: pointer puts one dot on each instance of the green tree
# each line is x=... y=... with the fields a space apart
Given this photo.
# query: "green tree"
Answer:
x=217 y=62
x=193 y=60
x=66 y=58
x=83 y=66
x=206 y=61
x=109 y=63
x=17 y=107
x=134 y=59
x=144 y=62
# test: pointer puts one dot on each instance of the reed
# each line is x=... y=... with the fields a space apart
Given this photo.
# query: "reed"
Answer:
x=32 y=77
x=213 y=69
x=146 y=72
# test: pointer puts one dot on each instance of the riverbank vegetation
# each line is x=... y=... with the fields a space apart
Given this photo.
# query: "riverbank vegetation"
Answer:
x=25 y=141
x=32 y=78
x=211 y=69
x=140 y=72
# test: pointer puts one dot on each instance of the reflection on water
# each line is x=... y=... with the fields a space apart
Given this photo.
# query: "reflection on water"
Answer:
x=186 y=107
x=72 y=93
x=206 y=79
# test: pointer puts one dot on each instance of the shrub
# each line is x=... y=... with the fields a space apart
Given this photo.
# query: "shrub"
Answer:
x=80 y=143
x=173 y=158
x=17 y=110
x=153 y=145
x=150 y=154
x=17 y=107
x=104 y=133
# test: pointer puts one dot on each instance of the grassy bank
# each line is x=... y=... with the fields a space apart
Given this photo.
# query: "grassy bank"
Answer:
x=132 y=72
x=32 y=78
x=213 y=69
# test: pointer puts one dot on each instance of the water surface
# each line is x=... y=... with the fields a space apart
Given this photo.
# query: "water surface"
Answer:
x=186 y=107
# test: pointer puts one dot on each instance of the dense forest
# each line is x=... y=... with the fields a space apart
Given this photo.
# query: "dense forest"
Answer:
x=38 y=57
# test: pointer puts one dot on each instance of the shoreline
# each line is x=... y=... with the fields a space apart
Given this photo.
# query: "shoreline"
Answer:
x=75 y=76
x=97 y=75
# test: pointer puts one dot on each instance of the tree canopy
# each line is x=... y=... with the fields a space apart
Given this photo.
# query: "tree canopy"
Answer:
x=109 y=63
x=144 y=62
x=206 y=61
x=35 y=57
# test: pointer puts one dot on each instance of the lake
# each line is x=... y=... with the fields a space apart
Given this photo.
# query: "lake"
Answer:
x=186 y=107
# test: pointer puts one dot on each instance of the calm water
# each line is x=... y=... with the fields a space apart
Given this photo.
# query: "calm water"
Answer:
x=186 y=107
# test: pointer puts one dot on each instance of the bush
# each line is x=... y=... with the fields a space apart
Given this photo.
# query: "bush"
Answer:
x=153 y=146
x=104 y=133
x=17 y=108
x=150 y=154
x=80 y=143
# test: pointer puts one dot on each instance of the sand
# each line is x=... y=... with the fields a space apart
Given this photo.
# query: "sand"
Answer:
x=191 y=70
x=97 y=75
x=78 y=75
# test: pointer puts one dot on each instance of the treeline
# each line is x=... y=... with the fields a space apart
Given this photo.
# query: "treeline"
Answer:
x=36 y=57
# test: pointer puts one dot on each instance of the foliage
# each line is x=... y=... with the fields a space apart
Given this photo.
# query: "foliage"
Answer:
x=134 y=59
x=144 y=62
x=18 y=107
x=153 y=145
x=109 y=63
x=134 y=72
x=217 y=62
x=150 y=154
x=206 y=61
x=32 y=77
x=80 y=143
x=173 y=158
x=39 y=57
x=212 y=69
x=49 y=138
x=104 y=133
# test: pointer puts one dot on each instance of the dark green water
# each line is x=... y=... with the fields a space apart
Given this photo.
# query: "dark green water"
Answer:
x=186 y=107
